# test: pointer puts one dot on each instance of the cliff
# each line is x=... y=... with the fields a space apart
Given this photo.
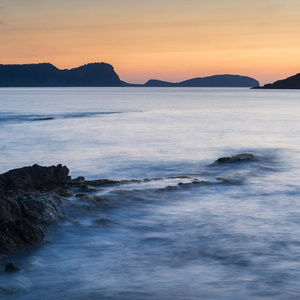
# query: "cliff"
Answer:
x=47 y=75
x=292 y=82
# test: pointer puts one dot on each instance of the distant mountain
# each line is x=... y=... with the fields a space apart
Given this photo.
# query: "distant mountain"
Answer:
x=211 y=81
x=47 y=75
x=101 y=75
x=292 y=82
x=220 y=81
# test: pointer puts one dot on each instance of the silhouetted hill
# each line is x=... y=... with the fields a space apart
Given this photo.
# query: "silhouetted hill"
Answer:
x=101 y=74
x=159 y=83
x=292 y=82
x=211 y=81
x=220 y=81
x=47 y=75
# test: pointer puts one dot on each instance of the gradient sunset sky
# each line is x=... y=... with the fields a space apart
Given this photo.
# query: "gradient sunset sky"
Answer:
x=169 y=40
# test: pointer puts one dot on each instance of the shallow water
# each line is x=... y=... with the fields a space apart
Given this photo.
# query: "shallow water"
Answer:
x=192 y=230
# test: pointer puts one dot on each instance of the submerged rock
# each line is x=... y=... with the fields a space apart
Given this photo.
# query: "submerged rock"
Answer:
x=82 y=184
x=11 y=267
x=102 y=221
x=236 y=158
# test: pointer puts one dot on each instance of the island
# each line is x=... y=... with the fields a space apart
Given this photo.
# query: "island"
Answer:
x=292 y=82
x=225 y=80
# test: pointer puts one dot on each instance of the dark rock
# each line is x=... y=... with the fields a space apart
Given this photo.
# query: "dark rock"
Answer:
x=102 y=221
x=11 y=267
x=79 y=178
x=34 y=177
x=19 y=234
x=82 y=195
x=90 y=185
x=64 y=193
x=24 y=218
x=236 y=158
x=40 y=212
x=28 y=205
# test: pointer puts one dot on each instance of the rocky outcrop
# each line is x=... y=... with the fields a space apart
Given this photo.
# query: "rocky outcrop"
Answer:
x=34 y=177
x=47 y=75
x=236 y=158
x=32 y=199
x=292 y=82
x=29 y=203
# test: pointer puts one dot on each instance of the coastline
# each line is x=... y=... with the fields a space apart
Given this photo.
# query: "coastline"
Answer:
x=34 y=199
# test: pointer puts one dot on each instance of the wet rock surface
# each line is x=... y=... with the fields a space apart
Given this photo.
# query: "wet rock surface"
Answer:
x=33 y=199
x=29 y=203
x=34 y=177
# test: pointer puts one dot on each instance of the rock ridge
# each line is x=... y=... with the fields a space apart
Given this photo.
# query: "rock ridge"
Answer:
x=47 y=75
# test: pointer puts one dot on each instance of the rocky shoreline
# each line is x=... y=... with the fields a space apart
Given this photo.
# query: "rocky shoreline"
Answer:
x=33 y=199
x=30 y=201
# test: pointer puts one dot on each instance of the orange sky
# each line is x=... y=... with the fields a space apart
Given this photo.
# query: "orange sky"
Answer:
x=163 y=39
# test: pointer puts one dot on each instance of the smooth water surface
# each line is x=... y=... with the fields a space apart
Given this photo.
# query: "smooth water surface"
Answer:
x=192 y=230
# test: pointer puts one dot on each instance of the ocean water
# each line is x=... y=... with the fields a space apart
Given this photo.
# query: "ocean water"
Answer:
x=193 y=229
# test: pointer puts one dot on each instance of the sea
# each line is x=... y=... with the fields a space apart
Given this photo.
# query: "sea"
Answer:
x=182 y=227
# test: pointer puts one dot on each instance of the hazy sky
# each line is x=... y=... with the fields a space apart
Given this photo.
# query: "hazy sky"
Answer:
x=163 y=39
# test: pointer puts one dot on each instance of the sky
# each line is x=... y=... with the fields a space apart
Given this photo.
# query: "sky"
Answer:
x=171 y=40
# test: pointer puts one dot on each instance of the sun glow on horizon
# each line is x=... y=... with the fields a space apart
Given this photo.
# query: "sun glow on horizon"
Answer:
x=167 y=40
